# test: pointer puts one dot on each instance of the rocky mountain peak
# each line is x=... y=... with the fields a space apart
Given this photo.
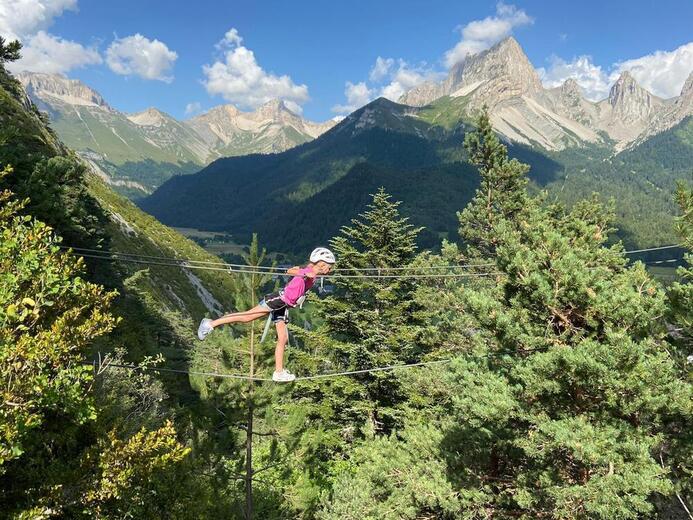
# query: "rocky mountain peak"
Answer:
x=571 y=87
x=630 y=102
x=273 y=109
x=624 y=87
x=504 y=70
x=149 y=117
x=58 y=87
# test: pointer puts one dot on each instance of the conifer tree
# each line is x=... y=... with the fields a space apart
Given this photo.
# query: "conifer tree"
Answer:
x=9 y=51
x=501 y=194
x=565 y=416
x=679 y=450
x=565 y=406
x=372 y=318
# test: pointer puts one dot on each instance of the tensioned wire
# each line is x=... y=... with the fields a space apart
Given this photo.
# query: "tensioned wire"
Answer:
x=223 y=375
x=252 y=270
x=268 y=270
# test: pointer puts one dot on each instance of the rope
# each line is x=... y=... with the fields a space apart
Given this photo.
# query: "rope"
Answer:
x=664 y=261
x=652 y=249
x=273 y=270
x=224 y=375
x=369 y=370
x=270 y=268
x=252 y=270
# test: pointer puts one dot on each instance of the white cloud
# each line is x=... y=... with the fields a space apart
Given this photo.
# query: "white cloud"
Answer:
x=663 y=72
x=357 y=94
x=51 y=54
x=26 y=20
x=192 y=108
x=388 y=78
x=381 y=68
x=20 y=19
x=405 y=77
x=480 y=35
x=140 y=56
x=231 y=39
x=592 y=79
x=239 y=79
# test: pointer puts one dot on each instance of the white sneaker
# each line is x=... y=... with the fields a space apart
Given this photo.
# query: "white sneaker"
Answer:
x=204 y=328
x=283 y=377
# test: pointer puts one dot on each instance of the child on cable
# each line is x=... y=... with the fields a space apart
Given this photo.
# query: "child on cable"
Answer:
x=276 y=304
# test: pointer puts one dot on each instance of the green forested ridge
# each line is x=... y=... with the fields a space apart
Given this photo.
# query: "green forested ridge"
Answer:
x=567 y=395
x=418 y=158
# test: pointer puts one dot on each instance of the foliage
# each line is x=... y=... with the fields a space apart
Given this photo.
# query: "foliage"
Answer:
x=562 y=407
x=9 y=51
x=140 y=477
x=501 y=195
x=371 y=321
x=56 y=428
x=680 y=446
x=48 y=317
x=396 y=477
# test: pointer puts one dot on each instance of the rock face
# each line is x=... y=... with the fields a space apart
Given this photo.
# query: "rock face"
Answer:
x=628 y=110
x=125 y=146
x=55 y=87
x=522 y=110
x=271 y=128
x=673 y=113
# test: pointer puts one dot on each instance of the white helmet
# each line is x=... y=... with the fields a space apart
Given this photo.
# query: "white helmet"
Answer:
x=324 y=254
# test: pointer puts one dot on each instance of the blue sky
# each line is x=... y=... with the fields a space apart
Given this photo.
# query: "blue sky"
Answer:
x=321 y=56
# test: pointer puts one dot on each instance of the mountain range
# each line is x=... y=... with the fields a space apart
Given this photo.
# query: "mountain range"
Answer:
x=135 y=153
x=277 y=174
x=523 y=111
x=302 y=196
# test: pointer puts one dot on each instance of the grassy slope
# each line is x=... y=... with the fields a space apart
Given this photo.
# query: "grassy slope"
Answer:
x=159 y=305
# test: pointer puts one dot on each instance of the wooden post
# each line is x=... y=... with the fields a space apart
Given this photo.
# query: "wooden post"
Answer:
x=249 y=429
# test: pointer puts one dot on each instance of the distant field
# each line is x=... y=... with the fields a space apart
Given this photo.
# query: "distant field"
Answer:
x=214 y=242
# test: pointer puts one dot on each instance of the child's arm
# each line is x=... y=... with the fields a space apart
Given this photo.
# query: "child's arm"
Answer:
x=301 y=271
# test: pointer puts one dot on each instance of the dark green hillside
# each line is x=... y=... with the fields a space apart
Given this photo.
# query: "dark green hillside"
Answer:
x=641 y=179
x=320 y=217
x=322 y=183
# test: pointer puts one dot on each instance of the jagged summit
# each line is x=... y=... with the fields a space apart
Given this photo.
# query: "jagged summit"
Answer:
x=504 y=70
x=626 y=95
x=59 y=88
x=628 y=110
x=150 y=117
x=503 y=79
x=153 y=145
x=571 y=87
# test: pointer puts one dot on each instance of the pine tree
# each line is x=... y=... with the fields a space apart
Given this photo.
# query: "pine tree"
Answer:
x=9 y=51
x=564 y=417
x=502 y=192
x=373 y=319
x=568 y=401
x=365 y=323
x=679 y=450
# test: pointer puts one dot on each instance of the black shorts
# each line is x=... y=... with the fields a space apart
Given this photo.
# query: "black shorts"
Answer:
x=278 y=309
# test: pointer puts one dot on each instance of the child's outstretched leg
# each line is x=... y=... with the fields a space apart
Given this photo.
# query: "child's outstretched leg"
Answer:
x=207 y=325
x=281 y=374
